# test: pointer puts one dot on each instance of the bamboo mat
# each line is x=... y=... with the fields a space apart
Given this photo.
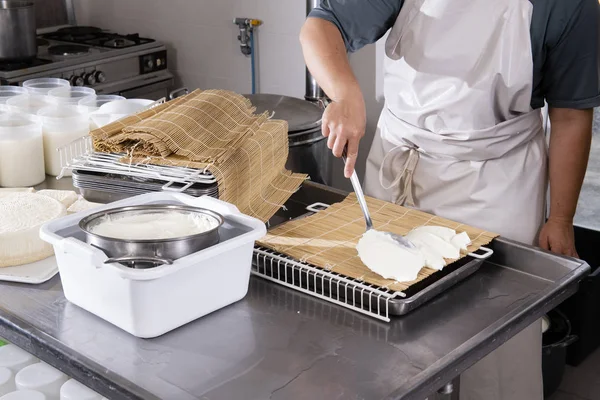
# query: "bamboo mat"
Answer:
x=328 y=239
x=215 y=130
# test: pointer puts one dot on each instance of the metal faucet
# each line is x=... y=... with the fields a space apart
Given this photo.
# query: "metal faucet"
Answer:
x=246 y=26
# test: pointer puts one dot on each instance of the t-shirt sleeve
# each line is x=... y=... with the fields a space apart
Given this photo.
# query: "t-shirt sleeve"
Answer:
x=360 y=22
x=571 y=77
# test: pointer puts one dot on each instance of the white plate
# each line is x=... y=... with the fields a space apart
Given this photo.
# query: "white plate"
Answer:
x=35 y=273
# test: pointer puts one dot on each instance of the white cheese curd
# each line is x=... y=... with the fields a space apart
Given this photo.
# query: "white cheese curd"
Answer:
x=433 y=259
x=384 y=256
x=462 y=240
x=445 y=233
x=435 y=243
x=154 y=226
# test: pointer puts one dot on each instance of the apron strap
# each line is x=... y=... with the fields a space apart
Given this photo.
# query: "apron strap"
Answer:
x=403 y=182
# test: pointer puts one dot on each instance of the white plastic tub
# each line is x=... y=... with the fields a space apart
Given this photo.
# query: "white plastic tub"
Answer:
x=148 y=303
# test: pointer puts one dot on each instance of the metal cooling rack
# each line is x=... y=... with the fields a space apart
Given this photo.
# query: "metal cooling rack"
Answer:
x=327 y=285
x=80 y=155
x=354 y=294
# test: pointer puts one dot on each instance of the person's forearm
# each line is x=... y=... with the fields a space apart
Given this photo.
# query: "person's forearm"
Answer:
x=570 y=142
x=327 y=60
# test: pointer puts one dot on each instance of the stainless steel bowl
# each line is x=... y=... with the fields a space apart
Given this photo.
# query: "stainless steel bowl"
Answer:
x=149 y=253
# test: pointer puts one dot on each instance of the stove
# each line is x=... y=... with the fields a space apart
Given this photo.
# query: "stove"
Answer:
x=111 y=63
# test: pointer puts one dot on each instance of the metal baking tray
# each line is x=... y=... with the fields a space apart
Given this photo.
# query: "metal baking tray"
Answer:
x=104 y=188
x=357 y=295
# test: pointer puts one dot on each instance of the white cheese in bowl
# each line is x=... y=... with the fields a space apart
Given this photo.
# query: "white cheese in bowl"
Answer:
x=21 y=216
x=153 y=226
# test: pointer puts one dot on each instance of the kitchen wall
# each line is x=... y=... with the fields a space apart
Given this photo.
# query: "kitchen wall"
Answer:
x=204 y=51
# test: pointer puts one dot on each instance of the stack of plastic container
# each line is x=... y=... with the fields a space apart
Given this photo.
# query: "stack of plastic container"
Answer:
x=24 y=377
x=51 y=112
x=35 y=120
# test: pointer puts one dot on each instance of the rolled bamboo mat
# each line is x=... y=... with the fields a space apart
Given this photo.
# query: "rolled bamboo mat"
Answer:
x=328 y=239
x=217 y=131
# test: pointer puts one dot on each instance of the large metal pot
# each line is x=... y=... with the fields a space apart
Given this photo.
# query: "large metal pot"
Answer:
x=308 y=152
x=142 y=254
x=17 y=30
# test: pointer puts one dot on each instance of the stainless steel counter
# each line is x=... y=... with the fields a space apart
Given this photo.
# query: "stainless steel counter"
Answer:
x=280 y=344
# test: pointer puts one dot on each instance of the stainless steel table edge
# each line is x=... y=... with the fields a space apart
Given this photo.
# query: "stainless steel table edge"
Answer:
x=489 y=339
x=52 y=352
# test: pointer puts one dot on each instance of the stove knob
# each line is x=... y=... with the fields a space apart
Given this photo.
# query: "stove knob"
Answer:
x=100 y=77
x=76 y=80
x=90 y=79
x=150 y=64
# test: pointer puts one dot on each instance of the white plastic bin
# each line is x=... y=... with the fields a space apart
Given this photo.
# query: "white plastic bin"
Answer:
x=148 y=303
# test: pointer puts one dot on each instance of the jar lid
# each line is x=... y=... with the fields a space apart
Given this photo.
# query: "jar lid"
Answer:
x=301 y=115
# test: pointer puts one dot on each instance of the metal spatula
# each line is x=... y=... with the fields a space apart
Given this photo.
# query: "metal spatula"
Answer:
x=402 y=241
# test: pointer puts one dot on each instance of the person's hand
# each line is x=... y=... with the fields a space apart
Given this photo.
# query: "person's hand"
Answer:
x=344 y=124
x=558 y=236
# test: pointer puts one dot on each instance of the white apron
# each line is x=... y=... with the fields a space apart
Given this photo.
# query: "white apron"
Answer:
x=458 y=138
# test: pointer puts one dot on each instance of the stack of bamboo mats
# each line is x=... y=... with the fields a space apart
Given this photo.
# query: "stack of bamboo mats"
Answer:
x=212 y=130
x=328 y=239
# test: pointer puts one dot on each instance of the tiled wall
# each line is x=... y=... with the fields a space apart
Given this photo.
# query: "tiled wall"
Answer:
x=204 y=51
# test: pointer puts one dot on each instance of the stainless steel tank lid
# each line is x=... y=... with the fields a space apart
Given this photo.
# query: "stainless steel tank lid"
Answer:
x=301 y=115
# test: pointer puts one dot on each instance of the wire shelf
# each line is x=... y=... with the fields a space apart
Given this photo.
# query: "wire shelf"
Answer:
x=327 y=285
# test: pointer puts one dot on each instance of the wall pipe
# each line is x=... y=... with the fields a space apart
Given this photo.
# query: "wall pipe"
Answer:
x=314 y=93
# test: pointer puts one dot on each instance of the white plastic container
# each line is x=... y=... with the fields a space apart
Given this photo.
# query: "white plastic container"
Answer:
x=61 y=125
x=6 y=92
x=21 y=151
x=43 y=378
x=27 y=103
x=148 y=303
x=92 y=107
x=43 y=85
x=125 y=107
x=73 y=390
x=7 y=381
x=24 y=395
x=71 y=95
x=15 y=359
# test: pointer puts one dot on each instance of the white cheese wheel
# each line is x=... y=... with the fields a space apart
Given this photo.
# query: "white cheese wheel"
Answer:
x=82 y=205
x=21 y=217
x=67 y=197
x=7 y=191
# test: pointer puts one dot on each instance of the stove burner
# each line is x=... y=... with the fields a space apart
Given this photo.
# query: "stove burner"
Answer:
x=15 y=66
x=66 y=50
x=79 y=30
x=118 y=43
x=86 y=35
x=42 y=42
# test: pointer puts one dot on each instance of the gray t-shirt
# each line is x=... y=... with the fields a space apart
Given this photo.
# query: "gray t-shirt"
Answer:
x=565 y=38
